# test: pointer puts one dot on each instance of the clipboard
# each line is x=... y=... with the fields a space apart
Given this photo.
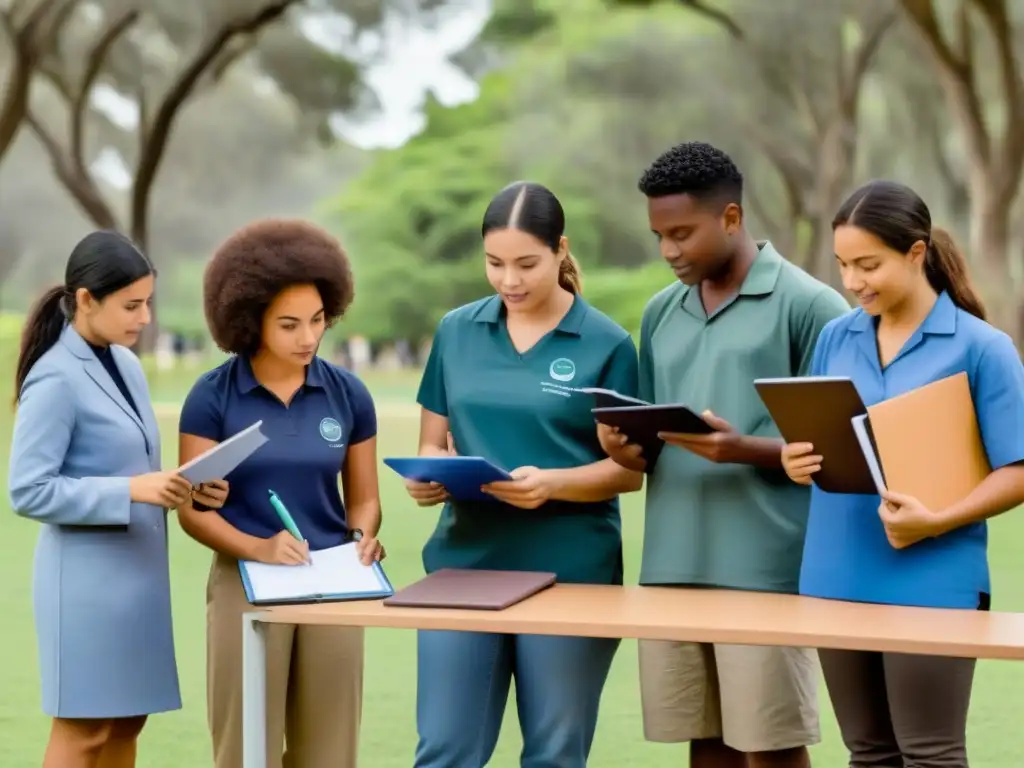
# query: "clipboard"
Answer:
x=221 y=459
x=334 y=575
x=820 y=410
x=461 y=476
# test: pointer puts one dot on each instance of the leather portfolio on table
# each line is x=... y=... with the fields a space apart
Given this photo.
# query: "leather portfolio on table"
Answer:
x=471 y=589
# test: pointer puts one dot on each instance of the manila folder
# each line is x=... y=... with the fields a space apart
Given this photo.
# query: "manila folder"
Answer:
x=929 y=442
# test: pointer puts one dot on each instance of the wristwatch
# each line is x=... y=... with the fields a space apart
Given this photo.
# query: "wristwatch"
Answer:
x=355 y=534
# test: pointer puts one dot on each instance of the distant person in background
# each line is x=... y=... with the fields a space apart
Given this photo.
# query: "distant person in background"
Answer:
x=270 y=292
x=719 y=512
x=502 y=382
x=919 y=321
x=85 y=462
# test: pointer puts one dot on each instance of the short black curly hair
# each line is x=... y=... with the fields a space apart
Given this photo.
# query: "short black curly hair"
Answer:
x=258 y=262
x=697 y=169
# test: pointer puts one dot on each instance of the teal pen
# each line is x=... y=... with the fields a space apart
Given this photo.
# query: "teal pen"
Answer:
x=286 y=518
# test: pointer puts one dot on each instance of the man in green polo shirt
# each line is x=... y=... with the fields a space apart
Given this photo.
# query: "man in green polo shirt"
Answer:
x=719 y=511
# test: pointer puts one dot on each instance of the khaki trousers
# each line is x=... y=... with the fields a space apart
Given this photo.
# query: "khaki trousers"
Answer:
x=314 y=683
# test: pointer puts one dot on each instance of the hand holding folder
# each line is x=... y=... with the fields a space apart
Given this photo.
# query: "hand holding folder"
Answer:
x=927 y=443
x=924 y=444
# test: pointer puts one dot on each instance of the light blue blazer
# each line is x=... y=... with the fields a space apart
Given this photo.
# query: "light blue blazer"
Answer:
x=101 y=586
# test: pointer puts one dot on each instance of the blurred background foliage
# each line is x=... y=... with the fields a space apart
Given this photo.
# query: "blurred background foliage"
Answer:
x=189 y=118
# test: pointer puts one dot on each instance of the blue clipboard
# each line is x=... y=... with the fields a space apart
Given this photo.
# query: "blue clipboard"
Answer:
x=461 y=476
x=386 y=590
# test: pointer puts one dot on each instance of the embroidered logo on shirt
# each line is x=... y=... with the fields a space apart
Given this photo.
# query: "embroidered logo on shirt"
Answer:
x=562 y=369
x=330 y=430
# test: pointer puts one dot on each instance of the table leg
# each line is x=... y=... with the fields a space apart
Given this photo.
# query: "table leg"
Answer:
x=254 y=691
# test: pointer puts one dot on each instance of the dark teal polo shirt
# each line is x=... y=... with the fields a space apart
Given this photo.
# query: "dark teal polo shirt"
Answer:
x=302 y=461
x=526 y=410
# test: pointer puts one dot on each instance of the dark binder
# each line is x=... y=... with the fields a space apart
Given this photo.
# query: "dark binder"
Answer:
x=471 y=589
x=820 y=410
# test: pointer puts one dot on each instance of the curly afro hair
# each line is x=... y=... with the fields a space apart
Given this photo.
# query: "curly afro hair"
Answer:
x=696 y=169
x=258 y=262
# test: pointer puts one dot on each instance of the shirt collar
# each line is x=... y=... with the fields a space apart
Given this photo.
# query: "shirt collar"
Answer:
x=941 y=320
x=492 y=311
x=760 y=279
x=247 y=382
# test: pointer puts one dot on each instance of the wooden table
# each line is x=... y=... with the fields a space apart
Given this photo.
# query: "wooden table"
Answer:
x=655 y=613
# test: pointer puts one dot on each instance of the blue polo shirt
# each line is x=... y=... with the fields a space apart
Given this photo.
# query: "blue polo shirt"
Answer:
x=846 y=553
x=302 y=460
x=525 y=409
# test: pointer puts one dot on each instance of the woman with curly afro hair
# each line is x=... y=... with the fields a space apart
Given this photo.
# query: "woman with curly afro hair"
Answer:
x=270 y=292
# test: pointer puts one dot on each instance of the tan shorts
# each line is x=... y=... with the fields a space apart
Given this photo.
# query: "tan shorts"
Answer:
x=754 y=698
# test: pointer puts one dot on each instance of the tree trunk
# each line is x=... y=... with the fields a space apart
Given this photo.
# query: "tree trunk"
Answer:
x=990 y=257
x=146 y=344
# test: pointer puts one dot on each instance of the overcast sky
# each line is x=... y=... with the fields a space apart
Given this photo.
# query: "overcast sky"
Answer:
x=416 y=60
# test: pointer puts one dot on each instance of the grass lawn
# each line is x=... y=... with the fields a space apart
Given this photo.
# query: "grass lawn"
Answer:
x=179 y=740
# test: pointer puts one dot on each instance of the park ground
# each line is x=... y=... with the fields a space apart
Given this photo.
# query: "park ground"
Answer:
x=179 y=739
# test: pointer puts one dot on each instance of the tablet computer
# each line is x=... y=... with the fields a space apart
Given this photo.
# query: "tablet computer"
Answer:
x=648 y=420
x=461 y=476
x=820 y=410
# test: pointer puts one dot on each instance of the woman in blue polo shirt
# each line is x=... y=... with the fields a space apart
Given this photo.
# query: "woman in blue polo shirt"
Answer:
x=270 y=292
x=918 y=321
x=502 y=381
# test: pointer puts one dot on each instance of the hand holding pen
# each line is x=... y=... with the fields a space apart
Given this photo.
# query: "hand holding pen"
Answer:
x=282 y=549
x=287 y=547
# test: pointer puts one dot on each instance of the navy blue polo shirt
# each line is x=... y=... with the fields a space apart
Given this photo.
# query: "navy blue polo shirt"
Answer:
x=301 y=462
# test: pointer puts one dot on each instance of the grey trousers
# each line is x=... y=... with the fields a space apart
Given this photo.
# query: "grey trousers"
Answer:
x=900 y=711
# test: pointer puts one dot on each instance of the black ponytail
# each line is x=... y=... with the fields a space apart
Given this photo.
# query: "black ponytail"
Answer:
x=42 y=330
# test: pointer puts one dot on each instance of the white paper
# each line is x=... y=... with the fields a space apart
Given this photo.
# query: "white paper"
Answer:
x=611 y=393
x=334 y=571
x=216 y=463
x=860 y=428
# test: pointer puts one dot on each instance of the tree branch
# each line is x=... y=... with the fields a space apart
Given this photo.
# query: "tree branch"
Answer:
x=69 y=164
x=81 y=186
x=956 y=70
x=852 y=79
x=30 y=39
x=154 y=139
x=1011 y=142
x=718 y=16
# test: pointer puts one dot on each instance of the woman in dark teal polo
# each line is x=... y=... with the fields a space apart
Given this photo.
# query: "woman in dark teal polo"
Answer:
x=502 y=382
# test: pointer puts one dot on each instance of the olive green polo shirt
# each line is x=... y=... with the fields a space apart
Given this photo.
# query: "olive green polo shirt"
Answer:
x=525 y=409
x=728 y=525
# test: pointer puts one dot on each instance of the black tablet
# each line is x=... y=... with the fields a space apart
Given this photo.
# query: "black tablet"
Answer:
x=820 y=410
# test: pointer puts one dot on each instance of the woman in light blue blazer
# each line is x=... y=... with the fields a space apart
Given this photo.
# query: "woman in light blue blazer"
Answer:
x=85 y=463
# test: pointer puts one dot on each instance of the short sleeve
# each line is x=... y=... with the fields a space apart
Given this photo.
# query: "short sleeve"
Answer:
x=432 y=394
x=645 y=388
x=201 y=413
x=998 y=394
x=621 y=372
x=364 y=413
x=826 y=307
